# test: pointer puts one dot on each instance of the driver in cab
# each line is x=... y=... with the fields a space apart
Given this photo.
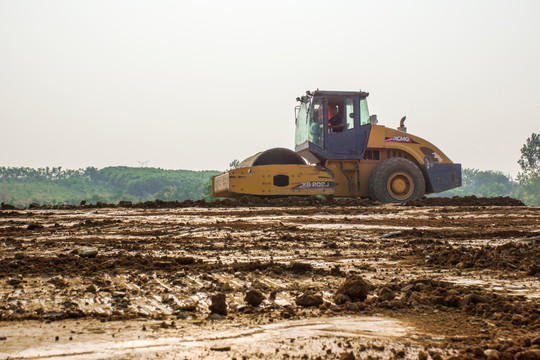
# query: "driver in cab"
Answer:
x=335 y=123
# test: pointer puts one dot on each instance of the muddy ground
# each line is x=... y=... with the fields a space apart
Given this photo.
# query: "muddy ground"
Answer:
x=282 y=278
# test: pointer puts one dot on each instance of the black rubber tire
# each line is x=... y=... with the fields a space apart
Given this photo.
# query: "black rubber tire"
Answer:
x=396 y=180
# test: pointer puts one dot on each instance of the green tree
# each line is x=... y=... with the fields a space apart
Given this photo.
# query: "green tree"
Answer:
x=529 y=177
x=530 y=157
x=234 y=164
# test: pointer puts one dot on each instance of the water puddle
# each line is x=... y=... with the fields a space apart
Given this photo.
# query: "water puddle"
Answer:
x=309 y=336
x=529 y=289
x=369 y=227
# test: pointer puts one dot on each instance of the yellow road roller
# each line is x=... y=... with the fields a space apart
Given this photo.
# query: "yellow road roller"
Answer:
x=341 y=150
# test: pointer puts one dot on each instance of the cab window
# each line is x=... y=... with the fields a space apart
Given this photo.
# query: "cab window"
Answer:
x=316 y=123
x=349 y=113
x=364 y=112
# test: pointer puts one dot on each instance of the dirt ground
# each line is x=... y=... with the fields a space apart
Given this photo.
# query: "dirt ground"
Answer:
x=274 y=279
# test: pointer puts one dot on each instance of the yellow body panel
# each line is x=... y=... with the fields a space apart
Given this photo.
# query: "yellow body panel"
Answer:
x=351 y=176
x=261 y=180
x=381 y=137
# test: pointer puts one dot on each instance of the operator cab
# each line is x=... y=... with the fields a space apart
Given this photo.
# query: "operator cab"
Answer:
x=332 y=125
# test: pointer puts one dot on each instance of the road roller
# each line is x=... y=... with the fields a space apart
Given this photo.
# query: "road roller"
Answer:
x=341 y=150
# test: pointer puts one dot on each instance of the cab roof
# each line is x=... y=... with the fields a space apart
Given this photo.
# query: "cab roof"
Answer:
x=361 y=94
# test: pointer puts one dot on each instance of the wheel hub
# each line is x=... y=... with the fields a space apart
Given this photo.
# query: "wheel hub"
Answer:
x=400 y=186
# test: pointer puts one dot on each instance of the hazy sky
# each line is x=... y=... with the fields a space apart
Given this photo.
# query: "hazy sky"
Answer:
x=196 y=84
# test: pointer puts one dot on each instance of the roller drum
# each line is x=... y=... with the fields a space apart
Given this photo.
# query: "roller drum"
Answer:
x=275 y=156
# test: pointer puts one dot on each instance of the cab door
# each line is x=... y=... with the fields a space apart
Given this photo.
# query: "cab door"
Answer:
x=350 y=142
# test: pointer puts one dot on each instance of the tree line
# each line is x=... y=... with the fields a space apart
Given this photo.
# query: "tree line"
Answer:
x=50 y=186
x=47 y=173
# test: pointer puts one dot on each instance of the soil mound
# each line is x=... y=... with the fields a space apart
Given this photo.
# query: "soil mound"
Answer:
x=466 y=201
x=219 y=304
x=244 y=201
x=254 y=297
x=290 y=201
x=521 y=256
x=309 y=300
x=472 y=300
x=354 y=287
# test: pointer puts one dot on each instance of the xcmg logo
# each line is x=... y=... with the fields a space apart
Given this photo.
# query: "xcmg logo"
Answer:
x=400 y=139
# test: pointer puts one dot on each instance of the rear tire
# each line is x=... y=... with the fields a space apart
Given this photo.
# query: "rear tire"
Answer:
x=396 y=180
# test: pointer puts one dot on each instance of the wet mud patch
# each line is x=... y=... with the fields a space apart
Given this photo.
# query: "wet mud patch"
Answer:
x=75 y=265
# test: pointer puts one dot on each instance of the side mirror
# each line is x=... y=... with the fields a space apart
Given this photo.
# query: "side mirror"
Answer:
x=373 y=119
